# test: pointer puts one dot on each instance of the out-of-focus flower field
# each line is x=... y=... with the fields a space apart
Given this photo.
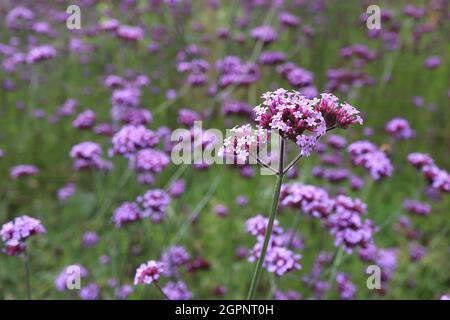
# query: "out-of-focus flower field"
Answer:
x=91 y=192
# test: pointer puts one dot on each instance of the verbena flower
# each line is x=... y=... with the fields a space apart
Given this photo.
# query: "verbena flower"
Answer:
x=129 y=33
x=90 y=239
x=296 y=76
x=416 y=252
x=130 y=139
x=347 y=289
x=148 y=272
x=69 y=275
x=90 y=292
x=347 y=225
x=367 y=155
x=127 y=212
x=399 y=128
x=310 y=199
x=41 y=53
x=16 y=232
x=84 y=120
x=87 y=155
x=257 y=225
x=124 y=291
x=66 y=192
x=173 y=258
x=337 y=114
x=154 y=204
x=417 y=207
x=243 y=142
x=23 y=170
x=279 y=259
x=419 y=160
x=264 y=33
x=150 y=160
x=293 y=116
x=177 y=291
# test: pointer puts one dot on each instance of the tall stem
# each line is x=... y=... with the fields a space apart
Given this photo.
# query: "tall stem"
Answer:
x=273 y=213
x=161 y=290
x=27 y=274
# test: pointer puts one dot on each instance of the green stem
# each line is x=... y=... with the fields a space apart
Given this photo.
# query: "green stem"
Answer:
x=337 y=259
x=273 y=213
x=160 y=290
x=27 y=274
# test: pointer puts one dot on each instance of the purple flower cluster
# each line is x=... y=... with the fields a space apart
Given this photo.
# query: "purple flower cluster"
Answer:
x=16 y=232
x=359 y=50
x=279 y=259
x=297 y=77
x=124 y=291
x=173 y=258
x=335 y=114
x=310 y=199
x=293 y=116
x=90 y=239
x=90 y=292
x=66 y=192
x=127 y=212
x=366 y=154
x=84 y=120
x=416 y=207
x=129 y=33
x=235 y=72
x=399 y=128
x=127 y=97
x=150 y=161
x=347 y=225
x=386 y=259
x=154 y=203
x=419 y=160
x=131 y=138
x=438 y=179
x=88 y=155
x=177 y=291
x=313 y=280
x=230 y=107
x=197 y=71
x=69 y=275
x=416 y=252
x=288 y=20
x=41 y=53
x=187 y=117
x=347 y=289
x=23 y=170
x=18 y=14
x=266 y=34
x=177 y=188
x=271 y=57
x=148 y=272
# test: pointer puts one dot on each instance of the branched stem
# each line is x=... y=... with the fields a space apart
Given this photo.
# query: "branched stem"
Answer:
x=273 y=212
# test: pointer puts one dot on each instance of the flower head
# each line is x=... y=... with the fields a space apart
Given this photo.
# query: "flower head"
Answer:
x=16 y=232
x=131 y=138
x=148 y=272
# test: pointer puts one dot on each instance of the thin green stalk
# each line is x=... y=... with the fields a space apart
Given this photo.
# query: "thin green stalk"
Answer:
x=273 y=212
x=160 y=290
x=337 y=260
x=27 y=274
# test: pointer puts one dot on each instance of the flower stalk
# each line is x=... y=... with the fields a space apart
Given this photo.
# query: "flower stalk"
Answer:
x=273 y=211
